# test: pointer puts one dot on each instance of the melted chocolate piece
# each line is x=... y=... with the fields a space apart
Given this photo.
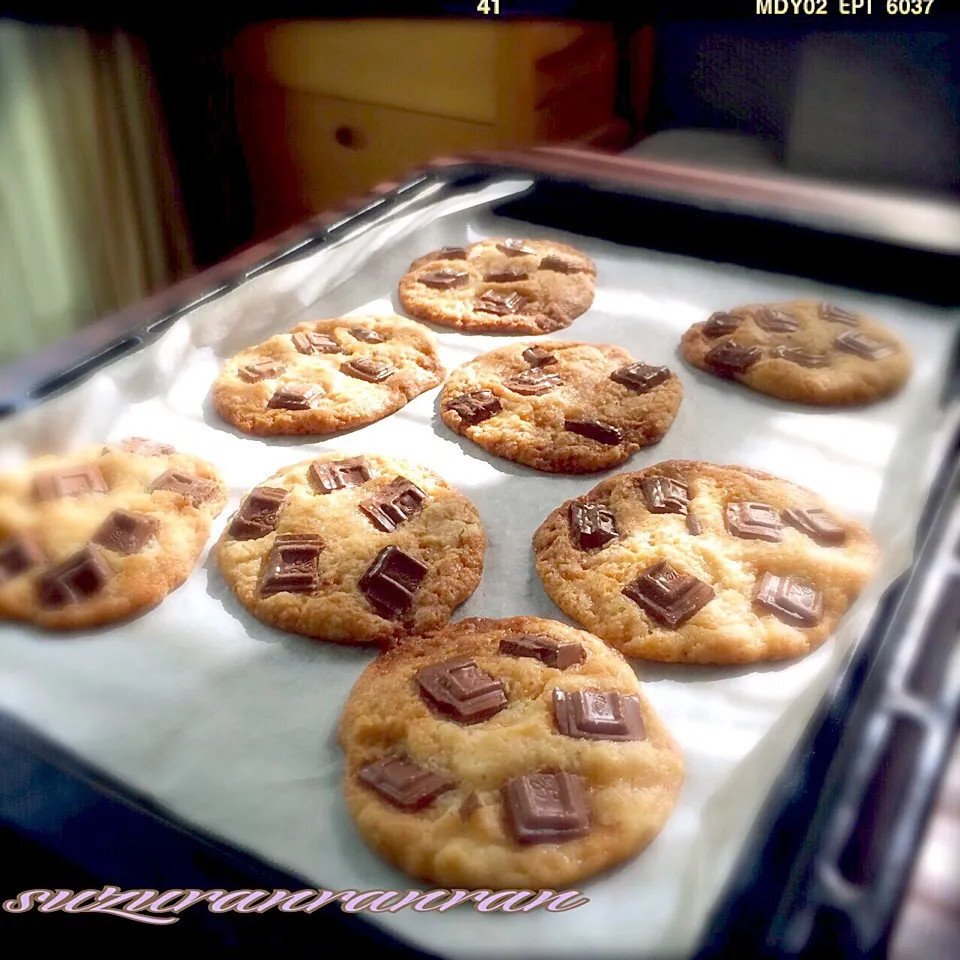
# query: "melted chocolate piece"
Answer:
x=693 y=525
x=502 y=304
x=68 y=482
x=367 y=336
x=18 y=554
x=142 y=446
x=293 y=565
x=593 y=715
x=505 y=274
x=753 y=521
x=533 y=382
x=640 y=377
x=125 y=532
x=665 y=495
x=369 y=369
x=404 y=783
x=790 y=600
x=78 y=578
x=325 y=476
x=592 y=525
x=776 y=321
x=461 y=690
x=728 y=358
x=261 y=370
x=801 y=357
x=668 y=596
x=515 y=247
x=473 y=408
x=816 y=524
x=399 y=501
x=195 y=489
x=471 y=803
x=296 y=396
x=594 y=430
x=444 y=279
x=827 y=311
x=391 y=581
x=552 y=653
x=451 y=253
x=315 y=343
x=538 y=357
x=546 y=807
x=258 y=514
x=861 y=345
x=721 y=324
x=558 y=264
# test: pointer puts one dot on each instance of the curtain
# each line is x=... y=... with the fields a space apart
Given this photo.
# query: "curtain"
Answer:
x=90 y=219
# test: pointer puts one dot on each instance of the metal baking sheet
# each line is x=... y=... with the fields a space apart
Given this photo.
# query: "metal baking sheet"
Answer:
x=231 y=725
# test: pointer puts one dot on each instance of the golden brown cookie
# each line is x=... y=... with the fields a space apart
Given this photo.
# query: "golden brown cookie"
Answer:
x=806 y=351
x=500 y=286
x=328 y=375
x=98 y=535
x=561 y=407
x=353 y=549
x=517 y=753
x=694 y=562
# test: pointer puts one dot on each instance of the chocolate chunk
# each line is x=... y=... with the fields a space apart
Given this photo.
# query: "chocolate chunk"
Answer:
x=141 y=446
x=391 y=581
x=315 y=343
x=816 y=524
x=728 y=358
x=594 y=430
x=640 y=377
x=261 y=370
x=552 y=653
x=515 y=247
x=473 y=408
x=502 y=304
x=693 y=525
x=444 y=279
x=369 y=369
x=801 y=357
x=558 y=265
x=460 y=689
x=367 y=336
x=18 y=554
x=125 y=532
x=665 y=495
x=721 y=324
x=196 y=489
x=538 y=357
x=506 y=274
x=293 y=565
x=325 y=476
x=861 y=345
x=776 y=321
x=450 y=253
x=592 y=525
x=546 y=807
x=258 y=514
x=296 y=396
x=399 y=501
x=790 y=600
x=471 y=803
x=668 y=596
x=404 y=783
x=533 y=382
x=593 y=715
x=78 y=578
x=827 y=311
x=68 y=482
x=753 y=521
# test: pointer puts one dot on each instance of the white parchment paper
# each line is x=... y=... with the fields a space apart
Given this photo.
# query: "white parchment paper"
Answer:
x=232 y=725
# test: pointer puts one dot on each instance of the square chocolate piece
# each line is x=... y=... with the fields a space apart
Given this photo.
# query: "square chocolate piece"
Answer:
x=594 y=430
x=515 y=247
x=261 y=370
x=505 y=274
x=862 y=345
x=789 y=600
x=534 y=382
x=399 y=501
x=547 y=807
x=313 y=344
x=141 y=446
x=293 y=565
x=552 y=653
x=461 y=690
x=369 y=369
x=502 y=304
x=776 y=321
x=444 y=279
x=68 y=482
x=451 y=253
x=78 y=578
x=538 y=357
x=197 y=490
x=667 y=596
x=391 y=581
x=18 y=554
x=367 y=336
x=753 y=521
x=665 y=495
x=558 y=264
x=640 y=377
x=474 y=408
x=404 y=783
x=296 y=396
x=596 y=715
x=827 y=311
x=592 y=525
x=816 y=524
x=258 y=514
x=728 y=358
x=721 y=324
x=325 y=476
x=126 y=532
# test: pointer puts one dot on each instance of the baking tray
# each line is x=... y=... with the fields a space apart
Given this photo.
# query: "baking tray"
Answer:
x=662 y=211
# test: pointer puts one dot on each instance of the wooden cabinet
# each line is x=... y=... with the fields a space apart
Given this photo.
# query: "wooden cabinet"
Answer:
x=328 y=109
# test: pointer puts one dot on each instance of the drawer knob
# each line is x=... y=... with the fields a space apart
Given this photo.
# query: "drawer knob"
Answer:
x=348 y=137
